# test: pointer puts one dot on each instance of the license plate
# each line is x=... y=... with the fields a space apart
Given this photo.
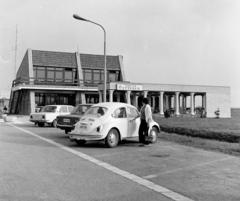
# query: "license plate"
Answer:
x=66 y=120
x=83 y=127
x=37 y=117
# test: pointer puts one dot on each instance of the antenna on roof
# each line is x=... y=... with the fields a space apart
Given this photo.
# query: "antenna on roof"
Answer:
x=15 y=69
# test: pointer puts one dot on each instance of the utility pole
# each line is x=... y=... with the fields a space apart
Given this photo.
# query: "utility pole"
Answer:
x=15 y=69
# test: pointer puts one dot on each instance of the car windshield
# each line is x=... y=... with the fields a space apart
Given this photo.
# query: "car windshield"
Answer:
x=97 y=111
x=80 y=109
x=49 y=109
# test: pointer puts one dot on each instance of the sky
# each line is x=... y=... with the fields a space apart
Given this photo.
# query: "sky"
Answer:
x=187 y=42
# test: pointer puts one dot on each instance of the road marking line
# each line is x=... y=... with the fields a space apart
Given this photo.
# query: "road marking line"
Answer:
x=148 y=184
x=187 y=168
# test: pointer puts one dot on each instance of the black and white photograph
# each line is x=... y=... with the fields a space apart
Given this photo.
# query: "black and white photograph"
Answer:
x=119 y=100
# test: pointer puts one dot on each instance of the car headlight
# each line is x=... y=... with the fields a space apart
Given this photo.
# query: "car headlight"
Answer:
x=99 y=128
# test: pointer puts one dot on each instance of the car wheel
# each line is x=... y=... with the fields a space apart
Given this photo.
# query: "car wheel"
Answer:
x=40 y=124
x=66 y=131
x=154 y=135
x=80 y=142
x=112 y=138
x=54 y=123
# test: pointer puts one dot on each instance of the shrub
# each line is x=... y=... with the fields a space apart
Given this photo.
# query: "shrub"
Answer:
x=207 y=134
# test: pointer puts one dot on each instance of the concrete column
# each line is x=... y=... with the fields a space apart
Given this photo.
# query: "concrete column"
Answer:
x=128 y=97
x=183 y=103
x=135 y=100
x=123 y=76
x=204 y=101
x=30 y=67
x=164 y=103
x=161 y=103
x=150 y=99
x=111 y=95
x=192 y=104
x=177 y=104
x=79 y=69
x=32 y=106
x=100 y=96
x=153 y=102
x=145 y=94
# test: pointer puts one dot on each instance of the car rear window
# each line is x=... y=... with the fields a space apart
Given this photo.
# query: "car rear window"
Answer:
x=97 y=111
x=80 y=109
x=64 y=109
x=49 y=109
x=70 y=109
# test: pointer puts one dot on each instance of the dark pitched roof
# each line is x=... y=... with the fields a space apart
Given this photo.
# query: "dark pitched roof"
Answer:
x=47 y=58
x=66 y=59
x=97 y=61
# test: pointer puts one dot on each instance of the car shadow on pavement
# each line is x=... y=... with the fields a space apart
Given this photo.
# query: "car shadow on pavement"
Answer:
x=100 y=144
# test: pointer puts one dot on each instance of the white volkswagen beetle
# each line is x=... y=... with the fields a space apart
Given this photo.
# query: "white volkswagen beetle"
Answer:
x=110 y=122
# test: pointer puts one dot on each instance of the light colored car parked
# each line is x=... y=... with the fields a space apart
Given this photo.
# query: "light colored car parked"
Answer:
x=49 y=114
x=111 y=122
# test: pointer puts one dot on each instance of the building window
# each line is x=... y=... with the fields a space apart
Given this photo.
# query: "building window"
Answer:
x=39 y=73
x=59 y=75
x=112 y=76
x=96 y=76
x=87 y=74
x=68 y=75
x=52 y=74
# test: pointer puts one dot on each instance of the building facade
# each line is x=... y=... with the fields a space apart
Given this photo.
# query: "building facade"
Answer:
x=46 y=77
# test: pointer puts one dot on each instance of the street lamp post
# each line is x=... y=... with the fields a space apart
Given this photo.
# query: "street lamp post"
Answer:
x=104 y=72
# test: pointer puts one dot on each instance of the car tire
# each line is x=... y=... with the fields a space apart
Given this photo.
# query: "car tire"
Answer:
x=112 y=138
x=54 y=123
x=40 y=124
x=66 y=131
x=80 y=142
x=154 y=135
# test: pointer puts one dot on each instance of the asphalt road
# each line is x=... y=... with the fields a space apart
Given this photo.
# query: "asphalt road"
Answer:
x=42 y=164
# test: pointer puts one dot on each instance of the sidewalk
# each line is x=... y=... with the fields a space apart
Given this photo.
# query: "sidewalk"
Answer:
x=21 y=119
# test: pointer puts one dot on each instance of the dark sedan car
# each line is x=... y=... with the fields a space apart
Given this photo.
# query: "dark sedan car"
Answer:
x=67 y=122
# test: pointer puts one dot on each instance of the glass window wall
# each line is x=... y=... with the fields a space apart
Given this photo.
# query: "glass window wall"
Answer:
x=50 y=74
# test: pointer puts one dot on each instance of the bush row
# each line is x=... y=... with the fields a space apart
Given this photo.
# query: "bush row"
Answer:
x=207 y=134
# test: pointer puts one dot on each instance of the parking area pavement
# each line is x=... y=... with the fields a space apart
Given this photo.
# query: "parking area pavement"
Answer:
x=192 y=173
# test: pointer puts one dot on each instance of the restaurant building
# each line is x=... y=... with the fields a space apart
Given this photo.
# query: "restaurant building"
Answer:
x=46 y=77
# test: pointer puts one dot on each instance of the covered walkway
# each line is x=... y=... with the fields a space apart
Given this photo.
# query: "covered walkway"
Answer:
x=178 y=99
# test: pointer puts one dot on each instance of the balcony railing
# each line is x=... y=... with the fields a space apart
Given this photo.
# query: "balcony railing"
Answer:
x=56 y=82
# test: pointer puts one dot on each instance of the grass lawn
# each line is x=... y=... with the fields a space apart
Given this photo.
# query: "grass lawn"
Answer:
x=205 y=133
x=212 y=124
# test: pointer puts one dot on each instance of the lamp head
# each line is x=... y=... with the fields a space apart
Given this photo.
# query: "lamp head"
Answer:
x=79 y=18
